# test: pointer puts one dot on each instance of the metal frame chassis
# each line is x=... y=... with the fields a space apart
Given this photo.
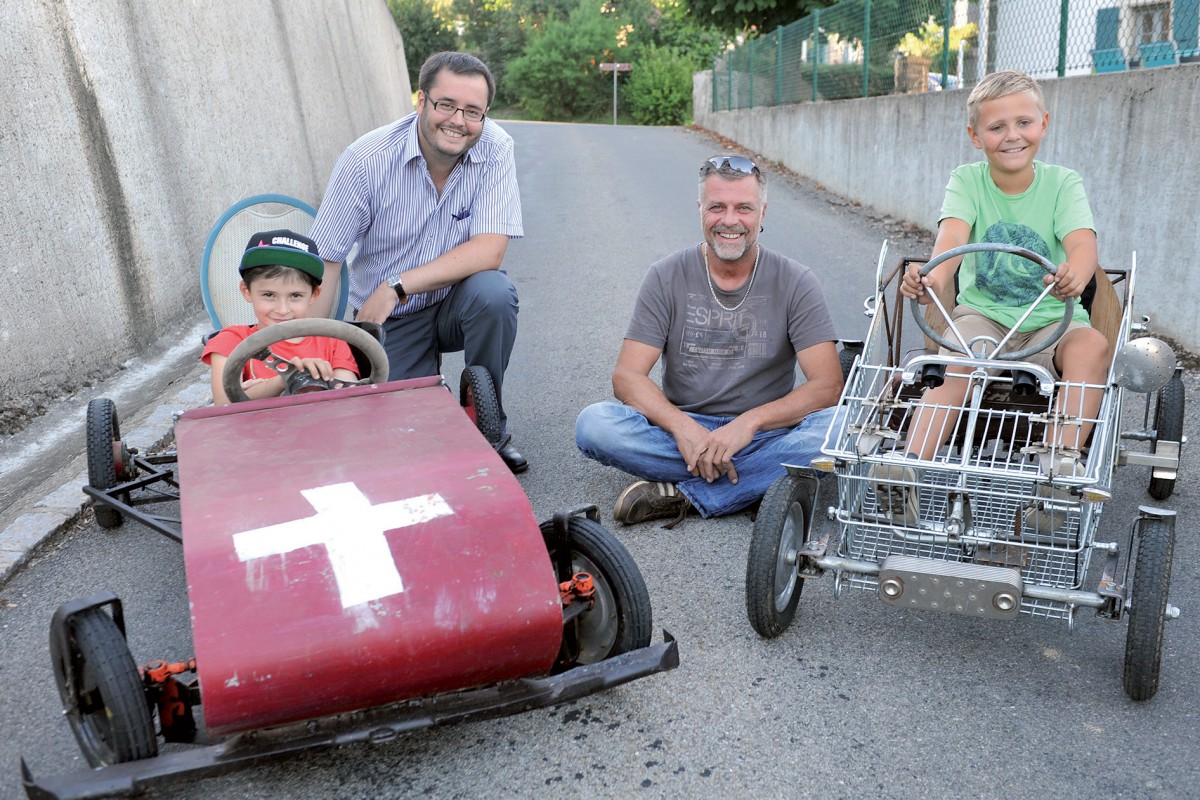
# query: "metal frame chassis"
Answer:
x=151 y=469
x=376 y=725
x=1111 y=597
x=816 y=561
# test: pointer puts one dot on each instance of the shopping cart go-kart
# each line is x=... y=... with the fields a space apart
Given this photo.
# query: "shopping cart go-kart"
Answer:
x=997 y=535
x=379 y=572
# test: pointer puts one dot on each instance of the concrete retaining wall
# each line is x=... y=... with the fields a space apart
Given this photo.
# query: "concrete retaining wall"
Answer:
x=1129 y=135
x=130 y=125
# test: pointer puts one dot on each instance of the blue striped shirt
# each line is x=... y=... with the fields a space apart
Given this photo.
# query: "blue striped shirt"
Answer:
x=382 y=197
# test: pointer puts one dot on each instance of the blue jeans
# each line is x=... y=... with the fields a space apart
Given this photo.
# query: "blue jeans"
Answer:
x=618 y=436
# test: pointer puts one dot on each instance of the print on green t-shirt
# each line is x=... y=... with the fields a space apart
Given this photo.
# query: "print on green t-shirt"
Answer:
x=1007 y=279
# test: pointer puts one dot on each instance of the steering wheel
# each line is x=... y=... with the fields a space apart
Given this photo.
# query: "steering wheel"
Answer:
x=257 y=345
x=962 y=346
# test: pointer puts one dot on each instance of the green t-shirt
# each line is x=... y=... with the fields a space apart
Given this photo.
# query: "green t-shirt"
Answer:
x=1002 y=285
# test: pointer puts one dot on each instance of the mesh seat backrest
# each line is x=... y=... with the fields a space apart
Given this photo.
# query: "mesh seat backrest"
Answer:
x=219 y=277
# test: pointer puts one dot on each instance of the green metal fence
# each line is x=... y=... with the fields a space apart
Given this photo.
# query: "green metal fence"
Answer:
x=863 y=48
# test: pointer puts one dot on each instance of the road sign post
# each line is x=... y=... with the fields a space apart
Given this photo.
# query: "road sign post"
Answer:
x=614 y=68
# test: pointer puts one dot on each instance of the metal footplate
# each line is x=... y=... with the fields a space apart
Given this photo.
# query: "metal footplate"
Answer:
x=971 y=589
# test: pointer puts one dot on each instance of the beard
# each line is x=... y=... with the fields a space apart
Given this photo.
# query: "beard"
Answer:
x=430 y=133
x=727 y=250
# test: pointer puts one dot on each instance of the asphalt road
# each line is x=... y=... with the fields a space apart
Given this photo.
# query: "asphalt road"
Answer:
x=856 y=700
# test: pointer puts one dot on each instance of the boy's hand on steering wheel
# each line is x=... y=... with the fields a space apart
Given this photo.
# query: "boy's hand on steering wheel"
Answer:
x=1067 y=282
x=316 y=367
x=912 y=285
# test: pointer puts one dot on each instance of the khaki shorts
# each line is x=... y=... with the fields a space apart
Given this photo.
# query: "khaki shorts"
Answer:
x=971 y=323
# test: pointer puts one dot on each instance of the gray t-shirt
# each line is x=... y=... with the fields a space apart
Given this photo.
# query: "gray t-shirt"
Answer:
x=721 y=362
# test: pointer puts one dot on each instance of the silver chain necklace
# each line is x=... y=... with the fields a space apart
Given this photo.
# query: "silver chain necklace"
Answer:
x=713 y=289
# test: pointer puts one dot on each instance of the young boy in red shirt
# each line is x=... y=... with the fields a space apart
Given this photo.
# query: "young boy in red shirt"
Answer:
x=281 y=277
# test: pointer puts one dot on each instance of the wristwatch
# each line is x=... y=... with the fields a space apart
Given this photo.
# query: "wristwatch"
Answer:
x=401 y=295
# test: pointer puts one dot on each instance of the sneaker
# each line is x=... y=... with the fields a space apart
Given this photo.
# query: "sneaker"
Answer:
x=642 y=501
x=896 y=492
x=1037 y=516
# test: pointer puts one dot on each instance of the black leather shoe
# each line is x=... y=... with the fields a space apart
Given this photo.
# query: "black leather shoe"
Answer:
x=515 y=461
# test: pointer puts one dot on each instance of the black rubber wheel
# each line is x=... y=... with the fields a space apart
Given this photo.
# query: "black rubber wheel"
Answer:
x=846 y=361
x=1147 y=615
x=773 y=585
x=620 y=620
x=112 y=719
x=1168 y=426
x=103 y=445
x=477 y=396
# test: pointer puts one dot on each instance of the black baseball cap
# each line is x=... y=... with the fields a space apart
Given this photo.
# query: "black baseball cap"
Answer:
x=284 y=247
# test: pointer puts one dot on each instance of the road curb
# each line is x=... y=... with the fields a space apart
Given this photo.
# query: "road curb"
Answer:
x=61 y=508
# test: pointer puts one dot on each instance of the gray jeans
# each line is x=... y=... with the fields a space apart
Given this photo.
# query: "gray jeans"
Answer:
x=478 y=317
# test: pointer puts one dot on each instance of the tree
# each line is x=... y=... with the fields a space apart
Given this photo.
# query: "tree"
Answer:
x=671 y=45
x=546 y=53
x=891 y=20
x=734 y=16
x=498 y=30
x=659 y=91
x=558 y=76
x=425 y=30
x=927 y=40
x=675 y=25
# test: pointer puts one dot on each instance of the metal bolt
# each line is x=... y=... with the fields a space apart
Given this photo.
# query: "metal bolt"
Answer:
x=892 y=587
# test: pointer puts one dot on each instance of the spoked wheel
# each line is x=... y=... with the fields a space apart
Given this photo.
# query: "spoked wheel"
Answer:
x=108 y=712
x=619 y=621
x=1168 y=426
x=108 y=458
x=1151 y=580
x=477 y=396
x=773 y=582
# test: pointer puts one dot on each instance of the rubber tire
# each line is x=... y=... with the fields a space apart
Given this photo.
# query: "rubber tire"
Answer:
x=477 y=396
x=103 y=432
x=114 y=724
x=1147 y=615
x=1168 y=425
x=621 y=619
x=773 y=586
x=846 y=361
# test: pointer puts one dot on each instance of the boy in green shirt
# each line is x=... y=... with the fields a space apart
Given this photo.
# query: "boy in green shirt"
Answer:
x=1009 y=198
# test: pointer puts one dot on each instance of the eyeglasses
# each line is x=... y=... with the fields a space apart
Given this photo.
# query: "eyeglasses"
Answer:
x=739 y=164
x=449 y=109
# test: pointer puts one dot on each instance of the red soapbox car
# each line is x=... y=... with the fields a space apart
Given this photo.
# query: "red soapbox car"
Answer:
x=385 y=574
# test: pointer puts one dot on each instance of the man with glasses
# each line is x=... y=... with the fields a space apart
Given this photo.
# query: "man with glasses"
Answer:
x=431 y=201
x=731 y=321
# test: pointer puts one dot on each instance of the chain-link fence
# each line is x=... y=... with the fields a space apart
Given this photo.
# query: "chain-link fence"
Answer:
x=862 y=48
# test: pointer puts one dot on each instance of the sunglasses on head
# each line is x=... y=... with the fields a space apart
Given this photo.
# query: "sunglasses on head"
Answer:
x=739 y=164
